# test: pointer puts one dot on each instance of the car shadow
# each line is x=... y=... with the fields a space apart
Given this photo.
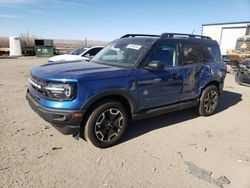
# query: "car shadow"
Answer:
x=141 y=127
x=228 y=99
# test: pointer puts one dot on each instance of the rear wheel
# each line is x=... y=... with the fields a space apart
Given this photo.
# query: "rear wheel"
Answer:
x=209 y=101
x=106 y=124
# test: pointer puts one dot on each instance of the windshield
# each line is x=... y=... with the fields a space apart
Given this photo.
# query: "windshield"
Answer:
x=78 y=51
x=122 y=53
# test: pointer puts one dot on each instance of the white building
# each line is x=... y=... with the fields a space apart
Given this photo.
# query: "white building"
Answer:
x=226 y=34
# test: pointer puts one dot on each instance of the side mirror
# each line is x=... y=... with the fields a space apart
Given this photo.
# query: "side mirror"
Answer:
x=155 y=66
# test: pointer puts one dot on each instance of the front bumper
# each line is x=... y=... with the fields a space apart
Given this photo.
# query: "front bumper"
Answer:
x=66 y=121
x=243 y=76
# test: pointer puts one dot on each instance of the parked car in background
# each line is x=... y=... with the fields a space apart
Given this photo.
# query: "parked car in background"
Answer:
x=78 y=54
x=243 y=73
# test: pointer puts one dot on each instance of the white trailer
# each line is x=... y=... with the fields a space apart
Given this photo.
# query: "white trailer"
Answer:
x=226 y=34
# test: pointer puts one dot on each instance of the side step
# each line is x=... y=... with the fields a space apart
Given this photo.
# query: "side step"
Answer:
x=164 y=109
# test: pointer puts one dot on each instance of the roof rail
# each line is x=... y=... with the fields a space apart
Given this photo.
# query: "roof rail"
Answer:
x=172 y=35
x=139 y=35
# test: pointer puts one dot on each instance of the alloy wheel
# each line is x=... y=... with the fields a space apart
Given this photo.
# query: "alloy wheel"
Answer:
x=210 y=101
x=108 y=125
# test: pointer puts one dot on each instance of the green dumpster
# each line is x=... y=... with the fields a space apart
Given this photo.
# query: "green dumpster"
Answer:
x=44 y=48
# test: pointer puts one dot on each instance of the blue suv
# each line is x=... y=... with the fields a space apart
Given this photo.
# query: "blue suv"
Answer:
x=134 y=77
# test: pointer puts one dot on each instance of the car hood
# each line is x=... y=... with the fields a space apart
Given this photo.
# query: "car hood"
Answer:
x=66 y=57
x=75 y=71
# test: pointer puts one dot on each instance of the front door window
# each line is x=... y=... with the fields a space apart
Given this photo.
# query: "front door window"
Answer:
x=166 y=54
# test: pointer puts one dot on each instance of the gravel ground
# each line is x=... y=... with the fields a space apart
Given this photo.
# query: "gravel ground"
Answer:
x=180 y=149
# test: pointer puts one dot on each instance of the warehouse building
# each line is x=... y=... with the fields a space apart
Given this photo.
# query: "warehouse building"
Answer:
x=226 y=34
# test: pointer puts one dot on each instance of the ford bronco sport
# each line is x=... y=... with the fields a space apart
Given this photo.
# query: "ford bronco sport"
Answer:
x=134 y=77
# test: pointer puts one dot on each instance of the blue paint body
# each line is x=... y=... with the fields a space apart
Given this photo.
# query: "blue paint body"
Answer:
x=93 y=79
x=142 y=88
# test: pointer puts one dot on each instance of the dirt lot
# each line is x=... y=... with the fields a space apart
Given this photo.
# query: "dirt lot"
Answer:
x=180 y=149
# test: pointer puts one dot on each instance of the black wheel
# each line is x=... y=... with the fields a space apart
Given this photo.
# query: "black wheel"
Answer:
x=209 y=101
x=106 y=124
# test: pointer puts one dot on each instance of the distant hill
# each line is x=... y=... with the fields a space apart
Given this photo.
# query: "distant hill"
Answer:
x=58 y=43
x=77 y=43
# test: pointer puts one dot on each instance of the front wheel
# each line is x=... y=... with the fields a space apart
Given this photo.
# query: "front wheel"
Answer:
x=106 y=124
x=209 y=101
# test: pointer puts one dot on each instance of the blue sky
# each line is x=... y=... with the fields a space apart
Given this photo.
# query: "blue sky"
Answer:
x=109 y=19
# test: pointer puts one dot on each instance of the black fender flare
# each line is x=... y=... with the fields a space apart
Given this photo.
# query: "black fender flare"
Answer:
x=215 y=82
x=120 y=93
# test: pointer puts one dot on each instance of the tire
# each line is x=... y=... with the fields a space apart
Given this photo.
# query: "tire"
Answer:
x=106 y=124
x=209 y=100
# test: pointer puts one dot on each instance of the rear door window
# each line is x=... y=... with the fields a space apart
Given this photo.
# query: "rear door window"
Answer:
x=191 y=53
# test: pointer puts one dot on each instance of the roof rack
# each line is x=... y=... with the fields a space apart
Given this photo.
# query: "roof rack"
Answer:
x=168 y=35
x=172 y=35
x=139 y=35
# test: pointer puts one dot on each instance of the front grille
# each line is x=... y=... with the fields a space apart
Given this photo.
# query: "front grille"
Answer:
x=38 y=80
x=38 y=84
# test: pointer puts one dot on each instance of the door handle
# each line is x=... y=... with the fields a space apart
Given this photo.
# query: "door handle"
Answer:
x=175 y=76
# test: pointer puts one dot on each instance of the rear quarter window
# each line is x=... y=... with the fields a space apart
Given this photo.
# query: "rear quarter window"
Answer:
x=214 y=52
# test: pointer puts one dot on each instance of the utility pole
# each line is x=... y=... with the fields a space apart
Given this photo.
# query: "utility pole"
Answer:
x=86 y=42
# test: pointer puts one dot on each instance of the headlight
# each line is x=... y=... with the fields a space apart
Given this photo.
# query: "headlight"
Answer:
x=60 y=91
